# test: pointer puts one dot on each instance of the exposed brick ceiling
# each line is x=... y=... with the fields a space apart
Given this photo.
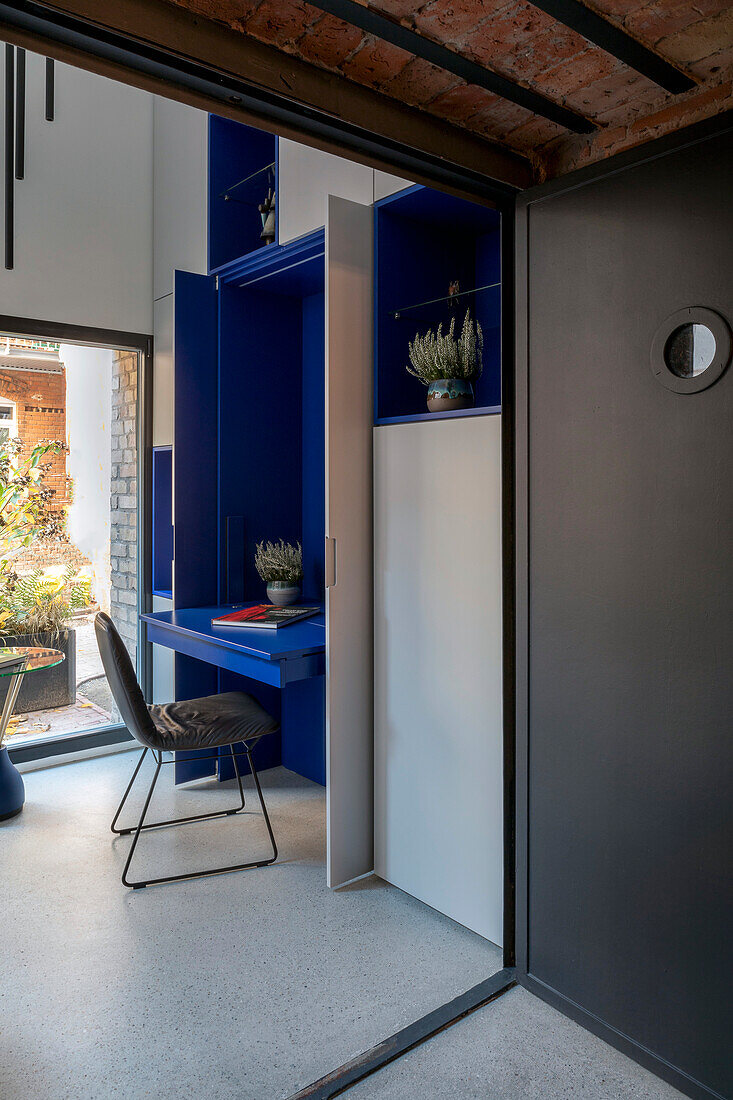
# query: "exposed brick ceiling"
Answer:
x=519 y=41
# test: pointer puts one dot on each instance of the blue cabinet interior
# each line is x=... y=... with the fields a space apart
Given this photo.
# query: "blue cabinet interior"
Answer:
x=242 y=168
x=249 y=348
x=163 y=522
x=424 y=241
x=249 y=439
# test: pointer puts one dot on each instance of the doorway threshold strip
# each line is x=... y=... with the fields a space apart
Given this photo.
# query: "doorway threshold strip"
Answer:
x=363 y=1065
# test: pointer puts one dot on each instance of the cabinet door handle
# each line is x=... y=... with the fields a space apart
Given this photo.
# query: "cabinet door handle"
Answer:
x=330 y=562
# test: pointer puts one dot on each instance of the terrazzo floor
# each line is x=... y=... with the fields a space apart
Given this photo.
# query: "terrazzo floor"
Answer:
x=245 y=986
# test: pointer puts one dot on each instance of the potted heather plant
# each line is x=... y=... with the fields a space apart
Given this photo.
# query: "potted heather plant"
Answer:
x=448 y=366
x=280 y=565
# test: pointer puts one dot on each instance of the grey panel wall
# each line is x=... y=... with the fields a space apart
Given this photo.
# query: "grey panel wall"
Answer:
x=626 y=732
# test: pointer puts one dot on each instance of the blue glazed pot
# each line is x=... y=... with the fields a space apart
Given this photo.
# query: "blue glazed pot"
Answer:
x=12 y=791
x=450 y=393
x=282 y=593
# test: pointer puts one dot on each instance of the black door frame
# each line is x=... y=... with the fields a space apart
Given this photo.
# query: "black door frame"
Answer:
x=143 y=345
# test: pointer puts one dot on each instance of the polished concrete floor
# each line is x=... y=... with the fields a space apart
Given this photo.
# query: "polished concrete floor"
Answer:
x=245 y=986
x=516 y=1048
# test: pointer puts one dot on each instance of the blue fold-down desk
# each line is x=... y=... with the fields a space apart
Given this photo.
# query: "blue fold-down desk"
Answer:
x=276 y=657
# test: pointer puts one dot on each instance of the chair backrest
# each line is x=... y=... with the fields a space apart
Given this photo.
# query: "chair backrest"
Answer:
x=123 y=681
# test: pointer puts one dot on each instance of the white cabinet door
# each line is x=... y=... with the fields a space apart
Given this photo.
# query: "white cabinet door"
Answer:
x=306 y=177
x=180 y=180
x=349 y=602
x=387 y=184
x=438 y=668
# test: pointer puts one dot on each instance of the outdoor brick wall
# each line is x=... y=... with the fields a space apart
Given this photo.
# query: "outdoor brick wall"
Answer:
x=123 y=499
x=40 y=400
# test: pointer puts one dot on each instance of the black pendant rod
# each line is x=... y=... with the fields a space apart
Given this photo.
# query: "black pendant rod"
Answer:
x=618 y=43
x=20 y=115
x=9 y=155
x=50 y=90
x=373 y=22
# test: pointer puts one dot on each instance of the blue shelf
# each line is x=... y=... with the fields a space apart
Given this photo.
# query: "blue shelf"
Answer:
x=491 y=410
x=424 y=242
x=294 y=269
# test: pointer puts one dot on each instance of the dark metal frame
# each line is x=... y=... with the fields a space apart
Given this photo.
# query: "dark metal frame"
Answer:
x=616 y=41
x=381 y=26
x=143 y=344
x=141 y=826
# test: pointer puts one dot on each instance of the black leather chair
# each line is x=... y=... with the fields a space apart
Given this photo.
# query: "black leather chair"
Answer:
x=230 y=719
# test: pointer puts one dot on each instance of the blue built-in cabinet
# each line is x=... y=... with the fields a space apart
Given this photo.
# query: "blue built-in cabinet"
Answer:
x=426 y=243
x=242 y=169
x=163 y=522
x=249 y=465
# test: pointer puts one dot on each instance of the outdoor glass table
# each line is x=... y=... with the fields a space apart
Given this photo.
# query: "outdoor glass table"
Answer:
x=29 y=659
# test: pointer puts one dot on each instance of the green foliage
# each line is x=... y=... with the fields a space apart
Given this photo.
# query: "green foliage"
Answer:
x=38 y=604
x=279 y=561
x=25 y=512
x=436 y=355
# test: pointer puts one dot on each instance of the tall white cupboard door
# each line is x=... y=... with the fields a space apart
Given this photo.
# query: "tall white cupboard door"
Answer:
x=349 y=548
x=439 y=813
x=305 y=179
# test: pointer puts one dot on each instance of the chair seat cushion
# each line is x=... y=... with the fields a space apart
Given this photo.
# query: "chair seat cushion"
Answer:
x=214 y=720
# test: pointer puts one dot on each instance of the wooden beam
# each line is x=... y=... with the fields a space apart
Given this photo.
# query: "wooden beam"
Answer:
x=389 y=30
x=170 y=51
x=618 y=43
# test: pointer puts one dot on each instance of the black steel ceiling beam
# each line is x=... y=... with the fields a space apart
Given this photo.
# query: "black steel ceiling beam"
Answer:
x=617 y=42
x=381 y=26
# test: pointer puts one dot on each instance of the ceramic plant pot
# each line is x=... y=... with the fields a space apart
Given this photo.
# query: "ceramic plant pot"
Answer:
x=447 y=394
x=12 y=791
x=282 y=593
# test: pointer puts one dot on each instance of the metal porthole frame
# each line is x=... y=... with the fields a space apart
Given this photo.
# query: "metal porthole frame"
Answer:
x=723 y=346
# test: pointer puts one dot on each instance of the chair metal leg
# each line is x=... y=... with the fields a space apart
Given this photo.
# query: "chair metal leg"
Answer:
x=124 y=797
x=264 y=810
x=142 y=883
x=177 y=820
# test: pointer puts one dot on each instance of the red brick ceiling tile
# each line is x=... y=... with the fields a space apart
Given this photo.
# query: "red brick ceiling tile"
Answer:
x=281 y=22
x=533 y=133
x=375 y=62
x=329 y=42
x=451 y=20
x=460 y=103
x=398 y=9
x=419 y=82
x=701 y=40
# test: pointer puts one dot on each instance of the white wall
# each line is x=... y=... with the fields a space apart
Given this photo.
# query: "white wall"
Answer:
x=438 y=666
x=180 y=181
x=84 y=212
x=88 y=419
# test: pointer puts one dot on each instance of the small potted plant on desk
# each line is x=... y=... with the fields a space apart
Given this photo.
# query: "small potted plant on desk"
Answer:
x=280 y=565
x=448 y=366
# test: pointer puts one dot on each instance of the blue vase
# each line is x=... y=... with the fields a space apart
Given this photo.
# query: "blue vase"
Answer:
x=12 y=791
x=447 y=394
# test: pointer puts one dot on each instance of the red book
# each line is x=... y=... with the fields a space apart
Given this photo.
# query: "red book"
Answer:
x=264 y=615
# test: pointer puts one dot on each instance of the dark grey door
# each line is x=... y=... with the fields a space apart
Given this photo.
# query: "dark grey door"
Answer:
x=630 y=615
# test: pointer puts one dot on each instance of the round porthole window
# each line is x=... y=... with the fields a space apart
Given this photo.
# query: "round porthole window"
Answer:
x=691 y=350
